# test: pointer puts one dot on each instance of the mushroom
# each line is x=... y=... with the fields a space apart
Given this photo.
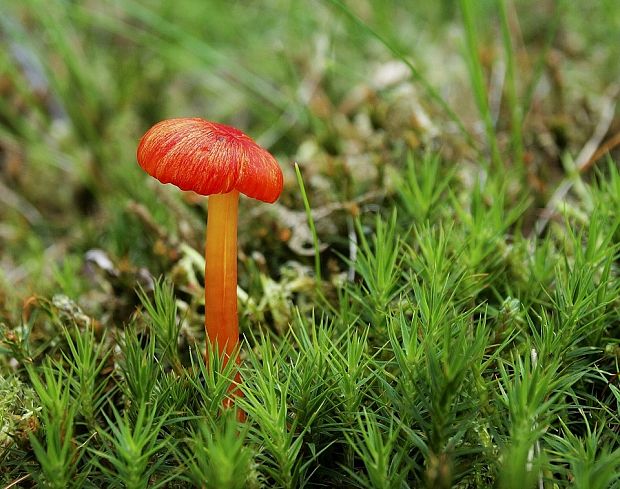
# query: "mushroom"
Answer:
x=219 y=161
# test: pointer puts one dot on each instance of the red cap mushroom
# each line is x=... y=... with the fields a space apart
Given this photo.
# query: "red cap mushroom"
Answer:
x=220 y=161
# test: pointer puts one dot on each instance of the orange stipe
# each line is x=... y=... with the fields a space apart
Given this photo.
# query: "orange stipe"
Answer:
x=221 y=318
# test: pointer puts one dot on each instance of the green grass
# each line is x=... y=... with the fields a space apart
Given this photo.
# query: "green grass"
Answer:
x=407 y=321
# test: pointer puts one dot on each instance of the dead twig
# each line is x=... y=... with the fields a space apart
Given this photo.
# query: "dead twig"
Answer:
x=17 y=481
x=585 y=159
x=12 y=199
x=300 y=241
x=605 y=148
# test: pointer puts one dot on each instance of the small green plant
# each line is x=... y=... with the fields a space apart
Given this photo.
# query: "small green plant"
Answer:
x=376 y=445
x=85 y=359
x=134 y=450
x=217 y=455
x=56 y=452
x=165 y=323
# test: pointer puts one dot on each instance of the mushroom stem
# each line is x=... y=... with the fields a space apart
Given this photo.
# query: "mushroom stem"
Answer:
x=221 y=322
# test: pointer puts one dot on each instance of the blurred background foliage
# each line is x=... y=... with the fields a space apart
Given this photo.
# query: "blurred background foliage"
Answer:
x=347 y=90
x=317 y=83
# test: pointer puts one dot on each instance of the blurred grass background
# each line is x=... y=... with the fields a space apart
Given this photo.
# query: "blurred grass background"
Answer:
x=81 y=81
x=455 y=140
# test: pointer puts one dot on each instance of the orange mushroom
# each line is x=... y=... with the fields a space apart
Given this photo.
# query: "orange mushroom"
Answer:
x=220 y=161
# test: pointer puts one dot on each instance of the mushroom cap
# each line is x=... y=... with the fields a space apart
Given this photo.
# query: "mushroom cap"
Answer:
x=209 y=158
